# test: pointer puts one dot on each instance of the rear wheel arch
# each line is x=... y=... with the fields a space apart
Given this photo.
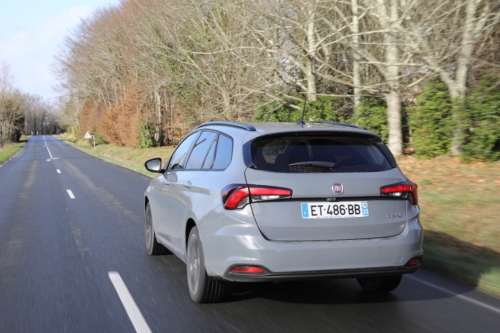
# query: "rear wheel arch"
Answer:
x=202 y=288
x=189 y=225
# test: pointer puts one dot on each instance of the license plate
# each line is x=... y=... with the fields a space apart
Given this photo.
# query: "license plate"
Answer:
x=329 y=210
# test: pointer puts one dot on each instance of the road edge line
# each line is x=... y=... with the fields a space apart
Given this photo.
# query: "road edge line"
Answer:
x=465 y=298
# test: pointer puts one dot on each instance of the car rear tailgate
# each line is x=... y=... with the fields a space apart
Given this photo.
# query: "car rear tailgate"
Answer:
x=284 y=220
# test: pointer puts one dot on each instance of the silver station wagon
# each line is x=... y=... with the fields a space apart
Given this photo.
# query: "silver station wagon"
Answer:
x=283 y=201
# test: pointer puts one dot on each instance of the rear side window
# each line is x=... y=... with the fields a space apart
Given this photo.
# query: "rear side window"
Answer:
x=224 y=153
x=319 y=153
x=210 y=157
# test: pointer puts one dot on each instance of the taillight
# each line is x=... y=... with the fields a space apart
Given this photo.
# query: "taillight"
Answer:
x=238 y=196
x=406 y=190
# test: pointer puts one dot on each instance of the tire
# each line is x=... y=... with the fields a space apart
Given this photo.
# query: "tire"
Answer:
x=202 y=288
x=380 y=284
x=152 y=245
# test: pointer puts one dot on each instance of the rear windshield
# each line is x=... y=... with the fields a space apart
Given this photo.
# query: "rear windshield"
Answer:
x=323 y=153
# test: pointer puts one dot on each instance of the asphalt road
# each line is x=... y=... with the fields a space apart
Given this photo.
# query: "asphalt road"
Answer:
x=68 y=219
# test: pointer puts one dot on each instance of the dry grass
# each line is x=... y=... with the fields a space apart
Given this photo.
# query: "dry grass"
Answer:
x=460 y=203
x=11 y=149
x=132 y=158
x=459 y=199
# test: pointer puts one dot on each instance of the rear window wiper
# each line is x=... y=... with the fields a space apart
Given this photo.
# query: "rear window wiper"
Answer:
x=321 y=164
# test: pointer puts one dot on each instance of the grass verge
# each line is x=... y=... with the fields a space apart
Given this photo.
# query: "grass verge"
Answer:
x=130 y=158
x=459 y=203
x=12 y=149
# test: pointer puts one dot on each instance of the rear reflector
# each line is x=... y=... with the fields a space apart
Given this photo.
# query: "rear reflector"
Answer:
x=238 y=196
x=413 y=262
x=247 y=269
x=407 y=190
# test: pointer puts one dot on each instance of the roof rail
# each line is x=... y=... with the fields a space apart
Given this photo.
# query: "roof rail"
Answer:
x=228 y=123
x=332 y=123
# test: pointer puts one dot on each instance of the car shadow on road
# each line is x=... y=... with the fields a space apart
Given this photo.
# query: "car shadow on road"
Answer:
x=308 y=292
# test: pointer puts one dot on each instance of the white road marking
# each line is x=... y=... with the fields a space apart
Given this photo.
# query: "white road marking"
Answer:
x=449 y=292
x=133 y=311
x=46 y=146
x=58 y=171
x=71 y=195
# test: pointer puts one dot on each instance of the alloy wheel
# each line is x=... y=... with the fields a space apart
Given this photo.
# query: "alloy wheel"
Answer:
x=193 y=264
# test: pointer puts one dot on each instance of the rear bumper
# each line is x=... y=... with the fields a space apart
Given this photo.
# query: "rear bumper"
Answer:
x=313 y=275
x=231 y=238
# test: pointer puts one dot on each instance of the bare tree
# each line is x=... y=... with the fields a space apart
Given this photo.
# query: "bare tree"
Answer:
x=446 y=35
x=189 y=61
x=6 y=80
x=41 y=116
x=377 y=46
x=11 y=113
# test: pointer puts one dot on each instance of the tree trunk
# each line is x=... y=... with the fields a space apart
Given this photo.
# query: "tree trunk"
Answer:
x=388 y=19
x=394 y=121
x=311 y=67
x=356 y=73
x=457 y=97
x=226 y=99
x=159 y=119
x=464 y=59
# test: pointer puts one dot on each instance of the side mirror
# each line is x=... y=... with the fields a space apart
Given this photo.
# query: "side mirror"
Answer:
x=154 y=165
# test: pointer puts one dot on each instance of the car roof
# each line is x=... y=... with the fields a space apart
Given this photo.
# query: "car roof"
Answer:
x=253 y=130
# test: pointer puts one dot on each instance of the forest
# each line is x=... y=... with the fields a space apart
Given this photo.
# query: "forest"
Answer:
x=424 y=74
x=22 y=113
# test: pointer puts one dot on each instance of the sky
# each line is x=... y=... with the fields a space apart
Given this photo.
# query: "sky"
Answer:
x=31 y=34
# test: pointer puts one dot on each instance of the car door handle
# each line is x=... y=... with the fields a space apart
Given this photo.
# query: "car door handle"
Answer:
x=188 y=185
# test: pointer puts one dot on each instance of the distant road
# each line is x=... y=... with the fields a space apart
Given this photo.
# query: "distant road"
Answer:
x=73 y=259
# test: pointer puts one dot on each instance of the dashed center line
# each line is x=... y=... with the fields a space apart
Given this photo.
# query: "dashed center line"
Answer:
x=50 y=154
x=71 y=195
x=58 y=171
x=46 y=146
x=128 y=302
